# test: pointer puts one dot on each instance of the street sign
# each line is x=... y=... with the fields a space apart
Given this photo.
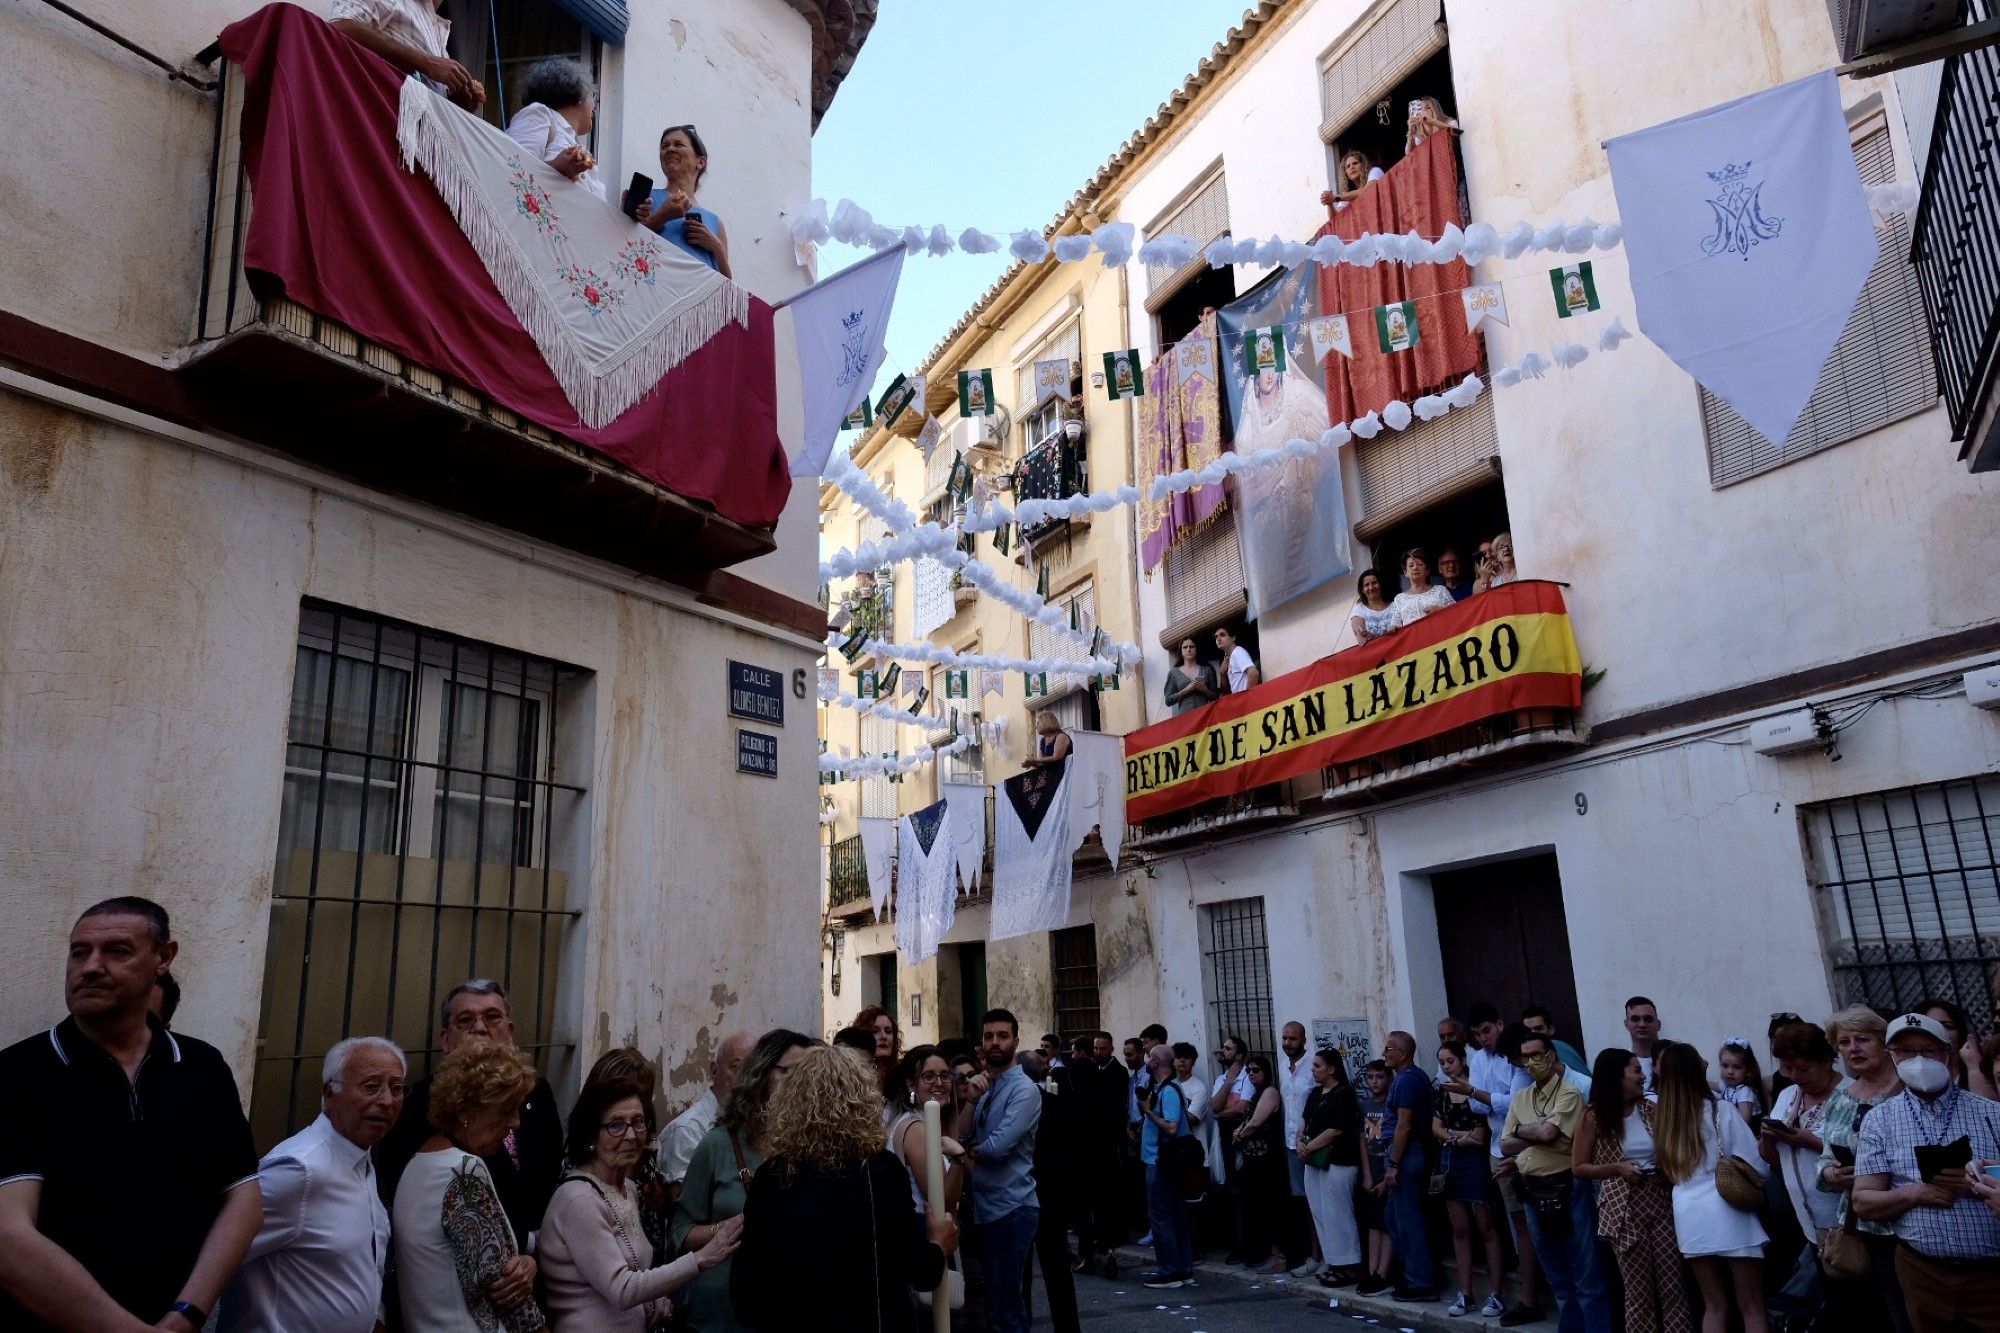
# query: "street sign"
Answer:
x=756 y=753
x=757 y=693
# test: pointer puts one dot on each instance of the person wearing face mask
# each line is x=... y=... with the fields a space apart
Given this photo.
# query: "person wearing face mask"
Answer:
x=1909 y=1171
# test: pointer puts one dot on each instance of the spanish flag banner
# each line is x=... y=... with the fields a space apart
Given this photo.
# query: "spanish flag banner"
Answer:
x=1507 y=649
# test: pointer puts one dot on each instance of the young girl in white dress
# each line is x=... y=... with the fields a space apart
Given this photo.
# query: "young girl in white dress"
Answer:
x=1742 y=1081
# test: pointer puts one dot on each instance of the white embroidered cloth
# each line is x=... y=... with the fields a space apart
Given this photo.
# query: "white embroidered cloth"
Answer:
x=610 y=305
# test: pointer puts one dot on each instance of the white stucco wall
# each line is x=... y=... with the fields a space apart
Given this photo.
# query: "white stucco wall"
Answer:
x=149 y=613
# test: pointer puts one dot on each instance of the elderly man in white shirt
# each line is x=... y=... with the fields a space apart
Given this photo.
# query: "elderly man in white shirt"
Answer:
x=412 y=36
x=684 y=1132
x=318 y=1258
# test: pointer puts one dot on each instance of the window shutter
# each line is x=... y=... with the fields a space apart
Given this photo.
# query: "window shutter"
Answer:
x=1205 y=216
x=878 y=795
x=1205 y=573
x=1065 y=342
x=606 y=20
x=1406 y=467
x=1046 y=642
x=1404 y=34
x=1880 y=371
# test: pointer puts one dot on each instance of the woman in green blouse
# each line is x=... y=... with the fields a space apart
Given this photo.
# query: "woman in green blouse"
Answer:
x=718 y=1175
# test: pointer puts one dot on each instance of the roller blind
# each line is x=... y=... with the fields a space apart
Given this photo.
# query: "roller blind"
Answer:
x=1067 y=343
x=1205 y=216
x=1204 y=571
x=1880 y=371
x=1401 y=467
x=1046 y=642
x=1403 y=35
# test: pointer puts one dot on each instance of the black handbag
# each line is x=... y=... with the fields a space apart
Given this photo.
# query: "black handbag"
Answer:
x=1549 y=1196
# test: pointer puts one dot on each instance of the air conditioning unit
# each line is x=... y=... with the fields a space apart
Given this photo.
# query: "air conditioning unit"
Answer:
x=965 y=433
x=1865 y=27
x=1982 y=686
x=1788 y=733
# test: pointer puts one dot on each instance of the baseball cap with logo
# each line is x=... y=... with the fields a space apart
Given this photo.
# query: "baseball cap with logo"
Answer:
x=1923 y=1023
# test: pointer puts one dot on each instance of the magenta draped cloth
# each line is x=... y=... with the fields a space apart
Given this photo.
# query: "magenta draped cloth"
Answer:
x=340 y=227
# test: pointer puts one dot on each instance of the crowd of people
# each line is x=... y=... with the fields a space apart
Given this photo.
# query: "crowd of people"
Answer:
x=558 y=111
x=1856 y=1188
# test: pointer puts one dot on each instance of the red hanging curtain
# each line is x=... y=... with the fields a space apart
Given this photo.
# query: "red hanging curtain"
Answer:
x=1419 y=193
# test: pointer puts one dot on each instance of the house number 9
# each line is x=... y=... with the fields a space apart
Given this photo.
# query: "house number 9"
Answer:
x=1582 y=804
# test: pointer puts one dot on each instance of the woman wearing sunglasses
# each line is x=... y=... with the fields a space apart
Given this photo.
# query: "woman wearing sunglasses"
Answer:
x=597 y=1266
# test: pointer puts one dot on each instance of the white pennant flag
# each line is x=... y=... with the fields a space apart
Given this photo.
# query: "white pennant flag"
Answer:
x=1482 y=303
x=1097 y=790
x=1031 y=852
x=878 y=854
x=1748 y=235
x=837 y=326
x=926 y=888
x=992 y=682
x=1330 y=334
x=967 y=810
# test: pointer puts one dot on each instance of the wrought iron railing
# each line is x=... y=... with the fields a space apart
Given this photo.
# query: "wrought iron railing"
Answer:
x=847 y=873
x=1956 y=248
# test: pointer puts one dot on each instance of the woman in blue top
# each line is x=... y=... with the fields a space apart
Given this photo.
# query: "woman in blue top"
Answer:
x=672 y=210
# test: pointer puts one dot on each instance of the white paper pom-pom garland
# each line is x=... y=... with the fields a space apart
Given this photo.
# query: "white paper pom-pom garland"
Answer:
x=933 y=655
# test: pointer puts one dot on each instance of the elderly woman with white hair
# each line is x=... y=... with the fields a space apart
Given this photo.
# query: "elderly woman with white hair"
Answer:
x=318 y=1258
x=559 y=108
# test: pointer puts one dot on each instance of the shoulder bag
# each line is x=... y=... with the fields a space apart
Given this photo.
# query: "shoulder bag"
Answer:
x=1735 y=1179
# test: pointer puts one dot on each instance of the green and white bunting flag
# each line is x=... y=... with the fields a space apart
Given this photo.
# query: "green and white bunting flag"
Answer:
x=1575 y=288
x=1075 y=617
x=861 y=418
x=851 y=647
x=889 y=679
x=868 y=683
x=1396 y=326
x=1099 y=641
x=1036 y=683
x=1263 y=349
x=959 y=483
x=923 y=696
x=1124 y=374
x=895 y=399
x=975 y=393
x=1103 y=683
x=892 y=757
x=1042 y=581
x=1003 y=539
x=958 y=684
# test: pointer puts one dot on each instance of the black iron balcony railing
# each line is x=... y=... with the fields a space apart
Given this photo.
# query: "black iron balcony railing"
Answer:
x=1053 y=470
x=1956 y=248
x=847 y=873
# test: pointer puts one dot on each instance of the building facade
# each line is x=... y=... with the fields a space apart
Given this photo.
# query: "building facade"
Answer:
x=369 y=681
x=1647 y=844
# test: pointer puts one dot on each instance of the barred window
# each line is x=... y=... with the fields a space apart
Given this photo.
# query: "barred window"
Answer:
x=1881 y=369
x=427 y=829
x=1236 y=968
x=1905 y=894
x=1073 y=968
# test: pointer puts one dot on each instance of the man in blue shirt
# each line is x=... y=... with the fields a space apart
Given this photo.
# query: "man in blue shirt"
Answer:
x=1163 y=1107
x=999 y=1133
x=1410 y=1106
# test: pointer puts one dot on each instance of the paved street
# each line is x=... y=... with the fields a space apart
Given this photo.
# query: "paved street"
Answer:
x=1222 y=1305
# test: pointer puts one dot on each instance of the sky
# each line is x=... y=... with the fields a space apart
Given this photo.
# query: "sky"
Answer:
x=992 y=116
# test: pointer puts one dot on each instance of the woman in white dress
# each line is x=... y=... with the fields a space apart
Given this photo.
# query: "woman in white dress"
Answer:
x=1724 y=1244
x=1423 y=597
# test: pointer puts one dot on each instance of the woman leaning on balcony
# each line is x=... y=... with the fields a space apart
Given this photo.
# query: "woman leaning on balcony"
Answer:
x=1190 y=681
x=1423 y=596
x=561 y=108
x=673 y=212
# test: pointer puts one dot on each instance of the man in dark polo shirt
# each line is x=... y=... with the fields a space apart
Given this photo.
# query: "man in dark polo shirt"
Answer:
x=526 y=1168
x=128 y=1180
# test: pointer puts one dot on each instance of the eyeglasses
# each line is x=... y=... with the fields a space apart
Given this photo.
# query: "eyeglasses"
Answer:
x=934 y=1076
x=467 y=1020
x=624 y=1129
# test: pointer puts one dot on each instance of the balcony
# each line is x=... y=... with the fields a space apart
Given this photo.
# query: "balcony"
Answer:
x=356 y=406
x=1956 y=249
x=1223 y=817
x=847 y=879
x=1501 y=742
x=1055 y=469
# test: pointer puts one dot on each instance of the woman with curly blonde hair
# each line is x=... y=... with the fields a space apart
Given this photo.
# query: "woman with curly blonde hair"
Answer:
x=456 y=1263
x=832 y=1239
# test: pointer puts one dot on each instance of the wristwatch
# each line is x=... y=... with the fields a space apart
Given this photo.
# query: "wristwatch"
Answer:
x=191 y=1312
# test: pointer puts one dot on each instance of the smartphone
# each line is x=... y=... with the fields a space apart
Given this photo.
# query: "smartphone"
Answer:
x=1993 y=1170
x=1757 y=1119
x=1417 y=107
x=638 y=192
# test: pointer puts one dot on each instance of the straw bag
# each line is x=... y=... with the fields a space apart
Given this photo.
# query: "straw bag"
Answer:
x=1735 y=1179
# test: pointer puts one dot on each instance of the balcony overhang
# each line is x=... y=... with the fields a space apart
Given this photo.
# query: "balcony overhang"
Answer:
x=358 y=409
x=1220 y=819
x=1478 y=748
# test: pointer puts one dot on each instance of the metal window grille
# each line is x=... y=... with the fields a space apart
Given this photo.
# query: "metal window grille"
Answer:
x=1237 y=961
x=1066 y=343
x=424 y=830
x=1905 y=893
x=878 y=795
x=1880 y=371
x=1205 y=570
x=1402 y=36
x=1046 y=642
x=1408 y=469
x=1073 y=966
x=1204 y=216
